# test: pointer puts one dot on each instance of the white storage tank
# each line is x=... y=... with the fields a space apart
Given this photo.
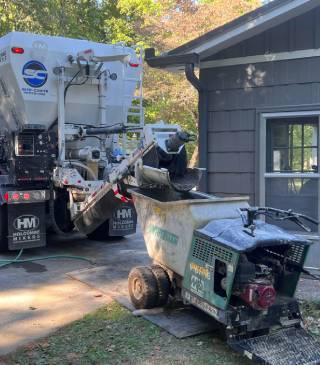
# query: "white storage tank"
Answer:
x=28 y=84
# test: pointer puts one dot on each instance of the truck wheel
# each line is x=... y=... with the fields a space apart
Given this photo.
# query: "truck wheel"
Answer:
x=163 y=282
x=61 y=212
x=143 y=288
x=102 y=233
x=3 y=228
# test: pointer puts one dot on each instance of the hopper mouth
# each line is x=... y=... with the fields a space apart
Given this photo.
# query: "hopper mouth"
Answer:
x=186 y=182
x=167 y=195
x=151 y=177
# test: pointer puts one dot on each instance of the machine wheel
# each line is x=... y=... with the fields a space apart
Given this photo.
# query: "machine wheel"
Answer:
x=102 y=233
x=143 y=288
x=164 y=285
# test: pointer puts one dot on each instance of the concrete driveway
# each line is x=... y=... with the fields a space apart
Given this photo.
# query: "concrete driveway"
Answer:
x=37 y=298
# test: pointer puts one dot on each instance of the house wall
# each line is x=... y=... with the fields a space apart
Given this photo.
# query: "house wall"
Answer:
x=236 y=95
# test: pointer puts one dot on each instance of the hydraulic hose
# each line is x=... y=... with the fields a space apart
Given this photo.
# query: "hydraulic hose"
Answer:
x=313 y=268
x=306 y=271
x=83 y=166
x=17 y=260
x=105 y=130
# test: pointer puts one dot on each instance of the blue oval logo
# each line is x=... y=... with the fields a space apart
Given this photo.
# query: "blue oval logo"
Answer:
x=34 y=74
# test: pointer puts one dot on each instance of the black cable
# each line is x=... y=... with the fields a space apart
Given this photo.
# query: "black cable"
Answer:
x=65 y=94
x=70 y=84
x=316 y=277
x=100 y=139
x=80 y=83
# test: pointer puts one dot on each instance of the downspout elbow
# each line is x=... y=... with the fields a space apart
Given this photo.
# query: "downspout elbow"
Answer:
x=192 y=77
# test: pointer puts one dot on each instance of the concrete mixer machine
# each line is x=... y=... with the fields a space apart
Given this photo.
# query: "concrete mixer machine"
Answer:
x=70 y=110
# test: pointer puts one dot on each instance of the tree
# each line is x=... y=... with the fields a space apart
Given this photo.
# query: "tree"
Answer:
x=163 y=24
x=170 y=96
x=71 y=18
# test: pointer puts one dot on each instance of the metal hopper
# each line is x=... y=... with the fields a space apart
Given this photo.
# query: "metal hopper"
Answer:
x=168 y=219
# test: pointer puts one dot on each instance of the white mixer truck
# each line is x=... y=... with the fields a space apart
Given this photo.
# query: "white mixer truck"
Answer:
x=70 y=110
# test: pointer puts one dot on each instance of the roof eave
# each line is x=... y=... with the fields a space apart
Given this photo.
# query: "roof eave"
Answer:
x=173 y=62
x=255 y=27
x=239 y=30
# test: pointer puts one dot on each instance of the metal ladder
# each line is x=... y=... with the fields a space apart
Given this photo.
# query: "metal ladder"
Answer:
x=135 y=111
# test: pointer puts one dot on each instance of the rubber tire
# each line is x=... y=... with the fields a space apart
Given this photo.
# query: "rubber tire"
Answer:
x=164 y=285
x=102 y=233
x=4 y=228
x=62 y=214
x=149 y=287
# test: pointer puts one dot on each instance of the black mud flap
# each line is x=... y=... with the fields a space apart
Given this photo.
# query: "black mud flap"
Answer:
x=288 y=346
x=123 y=221
x=26 y=225
x=97 y=213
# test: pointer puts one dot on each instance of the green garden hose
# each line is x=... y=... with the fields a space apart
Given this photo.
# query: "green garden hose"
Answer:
x=16 y=260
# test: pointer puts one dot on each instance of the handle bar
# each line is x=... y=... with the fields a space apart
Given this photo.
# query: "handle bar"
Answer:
x=276 y=214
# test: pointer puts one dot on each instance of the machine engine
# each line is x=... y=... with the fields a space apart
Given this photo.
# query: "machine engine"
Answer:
x=254 y=284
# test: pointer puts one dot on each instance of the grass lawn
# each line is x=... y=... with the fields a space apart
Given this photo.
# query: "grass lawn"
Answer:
x=111 y=336
x=311 y=315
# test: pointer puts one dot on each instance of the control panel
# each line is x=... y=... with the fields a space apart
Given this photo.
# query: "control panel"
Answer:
x=34 y=154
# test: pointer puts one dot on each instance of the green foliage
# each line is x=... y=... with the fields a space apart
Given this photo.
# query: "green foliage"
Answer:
x=76 y=19
x=163 y=24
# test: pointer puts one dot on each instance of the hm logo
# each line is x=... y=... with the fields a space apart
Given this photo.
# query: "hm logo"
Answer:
x=25 y=222
x=125 y=213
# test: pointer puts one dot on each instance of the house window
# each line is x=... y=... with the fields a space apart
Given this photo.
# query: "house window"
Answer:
x=292 y=145
x=291 y=179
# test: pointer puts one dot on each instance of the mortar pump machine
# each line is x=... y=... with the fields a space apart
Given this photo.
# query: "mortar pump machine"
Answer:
x=222 y=256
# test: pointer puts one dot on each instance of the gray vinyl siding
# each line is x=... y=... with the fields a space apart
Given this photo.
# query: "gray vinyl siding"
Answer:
x=236 y=94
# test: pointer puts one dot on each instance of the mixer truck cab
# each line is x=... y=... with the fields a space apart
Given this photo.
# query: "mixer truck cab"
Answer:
x=65 y=107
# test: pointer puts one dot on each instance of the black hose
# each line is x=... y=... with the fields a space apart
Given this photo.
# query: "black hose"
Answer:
x=316 y=277
x=54 y=123
x=105 y=130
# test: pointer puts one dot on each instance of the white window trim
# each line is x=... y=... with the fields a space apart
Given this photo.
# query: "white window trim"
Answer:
x=262 y=153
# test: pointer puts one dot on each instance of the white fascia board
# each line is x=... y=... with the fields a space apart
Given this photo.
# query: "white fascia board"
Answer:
x=276 y=115
x=255 y=26
x=272 y=57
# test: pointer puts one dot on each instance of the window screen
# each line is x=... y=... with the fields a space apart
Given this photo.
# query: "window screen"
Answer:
x=292 y=145
x=291 y=182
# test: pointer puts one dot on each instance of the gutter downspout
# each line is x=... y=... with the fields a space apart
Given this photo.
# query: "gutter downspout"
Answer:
x=202 y=124
x=188 y=62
